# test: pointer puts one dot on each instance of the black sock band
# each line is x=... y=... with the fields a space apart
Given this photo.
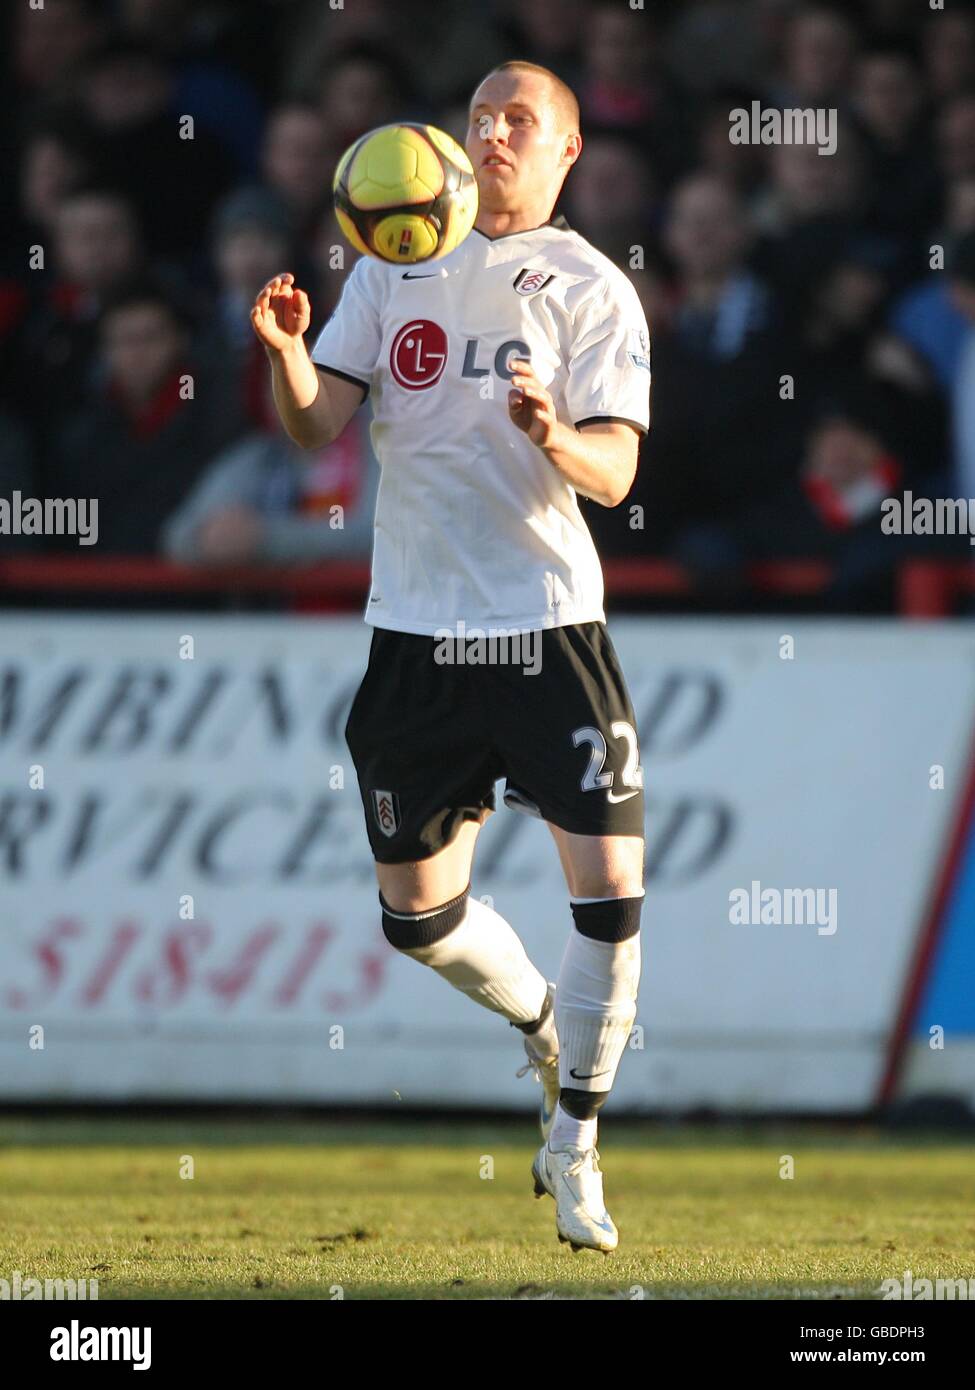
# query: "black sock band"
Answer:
x=408 y=930
x=534 y=1026
x=615 y=920
x=582 y=1105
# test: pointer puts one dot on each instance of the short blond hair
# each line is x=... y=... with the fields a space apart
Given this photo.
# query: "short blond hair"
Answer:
x=564 y=98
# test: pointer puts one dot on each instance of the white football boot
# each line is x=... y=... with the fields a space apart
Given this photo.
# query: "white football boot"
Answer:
x=546 y=1069
x=573 y=1178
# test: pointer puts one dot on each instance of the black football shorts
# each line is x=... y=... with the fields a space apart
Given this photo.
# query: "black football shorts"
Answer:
x=435 y=723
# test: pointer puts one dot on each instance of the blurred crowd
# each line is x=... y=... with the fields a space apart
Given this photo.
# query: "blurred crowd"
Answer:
x=812 y=316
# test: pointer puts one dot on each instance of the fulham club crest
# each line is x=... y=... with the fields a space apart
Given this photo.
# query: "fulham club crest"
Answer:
x=385 y=807
x=531 y=281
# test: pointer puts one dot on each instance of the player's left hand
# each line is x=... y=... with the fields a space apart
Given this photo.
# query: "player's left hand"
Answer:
x=530 y=405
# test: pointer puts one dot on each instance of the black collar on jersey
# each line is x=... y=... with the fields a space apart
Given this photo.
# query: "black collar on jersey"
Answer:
x=558 y=222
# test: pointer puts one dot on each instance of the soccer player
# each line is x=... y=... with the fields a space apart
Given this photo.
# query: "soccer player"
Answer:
x=506 y=378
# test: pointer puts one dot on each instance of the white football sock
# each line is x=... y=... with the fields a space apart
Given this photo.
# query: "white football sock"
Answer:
x=570 y=1133
x=484 y=958
x=544 y=1042
x=595 y=1005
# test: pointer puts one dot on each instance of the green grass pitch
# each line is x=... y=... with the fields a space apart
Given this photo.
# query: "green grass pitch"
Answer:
x=319 y=1209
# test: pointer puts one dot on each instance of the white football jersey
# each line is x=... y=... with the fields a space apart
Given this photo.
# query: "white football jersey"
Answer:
x=473 y=525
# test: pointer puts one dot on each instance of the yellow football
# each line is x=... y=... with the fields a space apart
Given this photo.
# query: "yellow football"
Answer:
x=405 y=193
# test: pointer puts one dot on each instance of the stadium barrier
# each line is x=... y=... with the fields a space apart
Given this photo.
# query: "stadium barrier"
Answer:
x=926 y=589
x=189 y=909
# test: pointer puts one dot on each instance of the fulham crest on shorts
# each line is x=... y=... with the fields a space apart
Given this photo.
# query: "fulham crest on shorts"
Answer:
x=385 y=806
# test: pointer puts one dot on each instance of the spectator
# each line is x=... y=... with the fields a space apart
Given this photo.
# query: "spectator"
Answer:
x=52 y=162
x=812 y=212
x=145 y=439
x=721 y=346
x=888 y=99
x=819 y=52
x=956 y=137
x=174 y=174
x=806 y=186
x=56 y=160
x=860 y=448
x=611 y=195
x=620 y=86
x=782 y=262
x=925 y=319
x=623 y=86
x=265 y=500
x=97 y=248
x=50 y=43
x=741 y=165
x=363 y=88
x=550 y=32
x=949 y=51
x=97 y=239
x=707 y=236
x=319 y=37
x=295 y=163
x=846 y=348
x=252 y=241
x=215 y=65
x=845 y=310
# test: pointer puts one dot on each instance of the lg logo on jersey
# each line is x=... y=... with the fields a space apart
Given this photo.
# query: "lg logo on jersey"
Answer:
x=418 y=356
x=513 y=348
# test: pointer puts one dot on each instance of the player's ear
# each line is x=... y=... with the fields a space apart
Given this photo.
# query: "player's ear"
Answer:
x=571 y=149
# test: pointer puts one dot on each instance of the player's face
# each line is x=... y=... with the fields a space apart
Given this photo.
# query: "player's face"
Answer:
x=516 y=142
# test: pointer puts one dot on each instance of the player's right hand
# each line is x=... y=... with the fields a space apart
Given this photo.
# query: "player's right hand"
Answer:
x=281 y=313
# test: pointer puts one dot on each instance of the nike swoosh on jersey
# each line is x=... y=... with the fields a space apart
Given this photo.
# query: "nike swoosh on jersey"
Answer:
x=586 y=1075
x=430 y=275
x=625 y=797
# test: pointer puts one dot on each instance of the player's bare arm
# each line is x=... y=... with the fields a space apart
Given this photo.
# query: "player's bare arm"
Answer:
x=313 y=409
x=599 y=460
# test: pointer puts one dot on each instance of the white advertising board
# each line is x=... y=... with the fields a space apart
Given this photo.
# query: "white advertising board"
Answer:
x=188 y=907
